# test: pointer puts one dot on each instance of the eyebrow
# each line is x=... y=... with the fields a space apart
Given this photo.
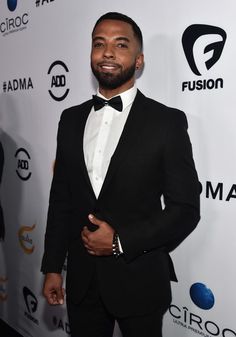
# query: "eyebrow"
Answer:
x=123 y=38
x=119 y=38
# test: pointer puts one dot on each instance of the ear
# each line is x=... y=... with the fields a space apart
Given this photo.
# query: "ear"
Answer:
x=139 y=61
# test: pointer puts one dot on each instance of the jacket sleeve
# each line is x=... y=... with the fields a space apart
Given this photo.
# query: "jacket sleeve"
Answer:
x=59 y=212
x=181 y=189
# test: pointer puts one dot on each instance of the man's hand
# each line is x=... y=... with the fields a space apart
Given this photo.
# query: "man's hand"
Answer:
x=52 y=289
x=99 y=242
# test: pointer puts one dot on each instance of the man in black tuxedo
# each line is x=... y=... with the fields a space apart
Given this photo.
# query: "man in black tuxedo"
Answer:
x=117 y=156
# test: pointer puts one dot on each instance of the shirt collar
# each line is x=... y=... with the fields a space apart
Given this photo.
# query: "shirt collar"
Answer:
x=127 y=96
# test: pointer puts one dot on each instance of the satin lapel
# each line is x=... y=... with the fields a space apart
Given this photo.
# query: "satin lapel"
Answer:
x=80 y=126
x=133 y=127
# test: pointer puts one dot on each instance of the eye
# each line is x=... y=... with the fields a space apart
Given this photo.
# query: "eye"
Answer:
x=97 y=45
x=122 y=45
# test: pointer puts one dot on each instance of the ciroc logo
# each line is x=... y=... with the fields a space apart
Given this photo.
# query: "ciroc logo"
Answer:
x=202 y=296
x=204 y=299
x=3 y=290
x=13 y=24
x=23 y=167
x=26 y=242
x=31 y=303
x=58 y=71
x=11 y=4
x=17 y=84
x=203 y=46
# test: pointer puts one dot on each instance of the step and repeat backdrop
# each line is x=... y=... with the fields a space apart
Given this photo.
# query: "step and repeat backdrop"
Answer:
x=190 y=54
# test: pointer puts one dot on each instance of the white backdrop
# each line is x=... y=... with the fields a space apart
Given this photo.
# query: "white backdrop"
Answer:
x=44 y=68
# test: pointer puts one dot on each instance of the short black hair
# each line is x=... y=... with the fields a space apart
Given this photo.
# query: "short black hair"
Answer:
x=124 y=18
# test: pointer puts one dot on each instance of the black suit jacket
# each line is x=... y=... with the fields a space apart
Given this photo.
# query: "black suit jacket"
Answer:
x=153 y=158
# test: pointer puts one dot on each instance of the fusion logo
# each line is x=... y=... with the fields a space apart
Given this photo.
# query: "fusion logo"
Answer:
x=203 y=46
x=58 y=71
x=11 y=4
x=3 y=290
x=202 y=296
x=61 y=325
x=13 y=24
x=42 y=2
x=204 y=299
x=31 y=303
x=26 y=242
x=219 y=191
x=17 y=84
x=23 y=167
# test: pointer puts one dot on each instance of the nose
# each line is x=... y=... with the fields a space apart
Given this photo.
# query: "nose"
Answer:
x=109 y=52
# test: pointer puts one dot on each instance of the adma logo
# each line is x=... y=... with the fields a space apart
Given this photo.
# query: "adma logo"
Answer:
x=11 y=4
x=202 y=296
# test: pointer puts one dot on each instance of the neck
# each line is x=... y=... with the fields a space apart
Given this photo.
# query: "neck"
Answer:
x=108 y=93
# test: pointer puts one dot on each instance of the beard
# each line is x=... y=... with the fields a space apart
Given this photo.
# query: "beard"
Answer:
x=109 y=80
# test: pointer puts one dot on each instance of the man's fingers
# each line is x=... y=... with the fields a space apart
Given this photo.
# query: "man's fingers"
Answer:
x=84 y=235
x=91 y=252
x=53 y=290
x=85 y=230
x=95 y=220
x=55 y=296
x=98 y=242
x=60 y=296
x=86 y=240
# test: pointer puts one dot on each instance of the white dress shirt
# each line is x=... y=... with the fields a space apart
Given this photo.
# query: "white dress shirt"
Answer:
x=101 y=136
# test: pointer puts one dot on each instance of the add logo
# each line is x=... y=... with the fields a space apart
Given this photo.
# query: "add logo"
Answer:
x=11 y=4
x=199 y=53
x=202 y=296
x=59 y=323
x=23 y=160
x=26 y=242
x=58 y=71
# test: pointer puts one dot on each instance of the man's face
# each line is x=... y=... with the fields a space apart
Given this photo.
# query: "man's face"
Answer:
x=115 y=55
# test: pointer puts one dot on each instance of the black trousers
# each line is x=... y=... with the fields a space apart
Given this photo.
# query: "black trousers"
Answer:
x=90 y=318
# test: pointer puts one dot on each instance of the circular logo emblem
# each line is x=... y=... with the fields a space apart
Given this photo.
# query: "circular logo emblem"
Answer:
x=202 y=296
x=58 y=72
x=11 y=4
x=23 y=159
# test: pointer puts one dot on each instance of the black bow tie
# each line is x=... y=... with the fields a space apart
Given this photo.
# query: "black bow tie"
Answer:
x=114 y=102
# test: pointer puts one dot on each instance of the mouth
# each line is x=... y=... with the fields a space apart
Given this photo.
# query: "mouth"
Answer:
x=108 y=66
